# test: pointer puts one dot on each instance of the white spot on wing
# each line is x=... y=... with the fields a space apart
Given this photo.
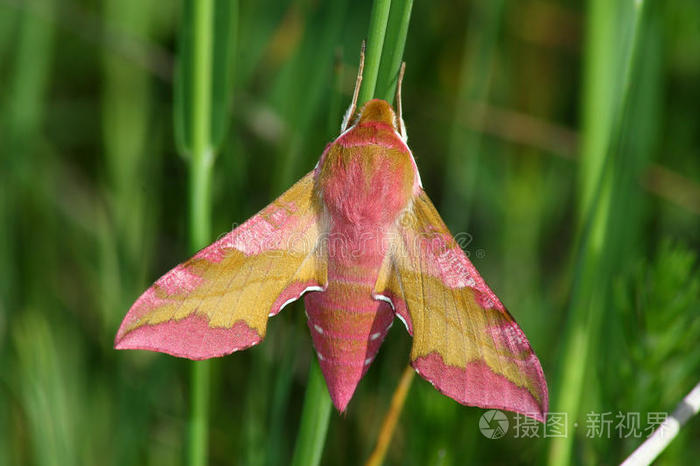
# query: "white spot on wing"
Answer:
x=318 y=329
x=374 y=336
x=368 y=361
x=386 y=299
x=320 y=356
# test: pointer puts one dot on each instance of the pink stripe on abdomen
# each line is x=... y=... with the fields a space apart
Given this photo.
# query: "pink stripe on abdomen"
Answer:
x=347 y=325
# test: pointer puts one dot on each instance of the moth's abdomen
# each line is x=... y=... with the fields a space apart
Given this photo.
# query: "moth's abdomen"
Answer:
x=347 y=327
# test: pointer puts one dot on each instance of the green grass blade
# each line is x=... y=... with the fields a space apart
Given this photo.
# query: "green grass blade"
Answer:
x=392 y=54
x=201 y=161
x=595 y=258
x=222 y=28
x=314 y=420
x=200 y=388
x=201 y=151
x=601 y=83
x=373 y=54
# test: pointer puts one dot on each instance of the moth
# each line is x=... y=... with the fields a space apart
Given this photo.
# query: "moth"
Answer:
x=360 y=241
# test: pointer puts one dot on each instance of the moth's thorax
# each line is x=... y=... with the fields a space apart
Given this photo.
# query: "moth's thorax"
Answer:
x=367 y=175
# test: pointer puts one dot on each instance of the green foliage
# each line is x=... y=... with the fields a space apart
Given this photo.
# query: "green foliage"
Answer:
x=661 y=302
x=509 y=107
x=222 y=24
x=655 y=334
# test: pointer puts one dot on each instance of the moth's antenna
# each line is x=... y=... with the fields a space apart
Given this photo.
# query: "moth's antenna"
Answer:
x=353 y=105
x=402 y=125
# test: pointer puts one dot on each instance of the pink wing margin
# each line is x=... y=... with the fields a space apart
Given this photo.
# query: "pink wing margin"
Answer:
x=219 y=301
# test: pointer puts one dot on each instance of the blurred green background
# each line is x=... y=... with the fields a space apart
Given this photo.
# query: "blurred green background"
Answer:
x=579 y=196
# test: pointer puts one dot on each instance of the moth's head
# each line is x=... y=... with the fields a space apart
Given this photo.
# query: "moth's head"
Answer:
x=378 y=111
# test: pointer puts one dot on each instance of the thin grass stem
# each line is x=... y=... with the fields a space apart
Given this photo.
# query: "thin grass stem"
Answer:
x=201 y=159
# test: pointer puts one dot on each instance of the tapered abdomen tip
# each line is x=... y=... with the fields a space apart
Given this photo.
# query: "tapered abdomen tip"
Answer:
x=342 y=381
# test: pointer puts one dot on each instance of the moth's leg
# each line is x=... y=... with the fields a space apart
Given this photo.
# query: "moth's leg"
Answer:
x=399 y=111
x=353 y=105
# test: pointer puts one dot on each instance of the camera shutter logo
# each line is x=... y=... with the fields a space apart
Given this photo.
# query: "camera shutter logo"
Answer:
x=493 y=424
